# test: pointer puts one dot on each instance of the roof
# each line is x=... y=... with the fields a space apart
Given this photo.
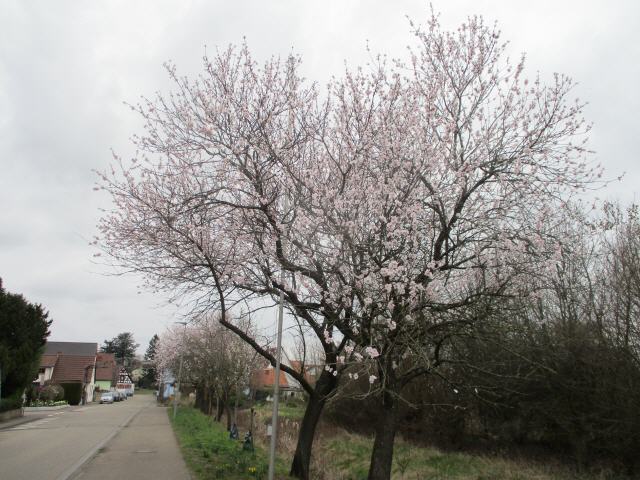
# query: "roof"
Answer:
x=104 y=374
x=106 y=367
x=311 y=371
x=106 y=358
x=48 y=361
x=123 y=376
x=265 y=378
x=71 y=348
x=73 y=368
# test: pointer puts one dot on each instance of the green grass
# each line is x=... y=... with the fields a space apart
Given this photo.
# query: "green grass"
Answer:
x=347 y=457
x=292 y=411
x=210 y=454
x=144 y=391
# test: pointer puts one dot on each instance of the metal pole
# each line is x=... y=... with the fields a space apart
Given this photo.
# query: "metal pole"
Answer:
x=276 y=386
x=276 y=389
x=177 y=389
x=276 y=382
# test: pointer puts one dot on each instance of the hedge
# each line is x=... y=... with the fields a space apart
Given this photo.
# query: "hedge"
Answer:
x=11 y=403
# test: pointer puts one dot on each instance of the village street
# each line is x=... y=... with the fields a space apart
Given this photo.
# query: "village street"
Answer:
x=131 y=439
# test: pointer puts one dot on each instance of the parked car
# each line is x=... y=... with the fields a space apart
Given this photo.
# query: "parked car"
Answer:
x=129 y=393
x=107 y=397
x=116 y=396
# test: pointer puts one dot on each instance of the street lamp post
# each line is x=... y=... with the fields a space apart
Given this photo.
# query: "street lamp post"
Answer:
x=276 y=391
x=177 y=389
x=276 y=381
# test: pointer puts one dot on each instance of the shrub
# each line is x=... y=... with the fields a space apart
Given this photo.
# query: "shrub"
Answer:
x=31 y=393
x=24 y=328
x=51 y=393
x=11 y=403
x=47 y=403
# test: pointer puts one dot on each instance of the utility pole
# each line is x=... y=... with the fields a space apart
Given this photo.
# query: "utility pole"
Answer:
x=177 y=389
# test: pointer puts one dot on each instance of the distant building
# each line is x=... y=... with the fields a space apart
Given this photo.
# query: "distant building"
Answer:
x=47 y=363
x=125 y=383
x=106 y=371
x=263 y=379
x=69 y=363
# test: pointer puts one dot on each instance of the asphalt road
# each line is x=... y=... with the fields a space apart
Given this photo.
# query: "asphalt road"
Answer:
x=55 y=444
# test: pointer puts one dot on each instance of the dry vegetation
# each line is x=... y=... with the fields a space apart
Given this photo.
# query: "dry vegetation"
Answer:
x=340 y=455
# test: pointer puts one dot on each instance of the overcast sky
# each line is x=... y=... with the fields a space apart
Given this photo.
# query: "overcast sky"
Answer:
x=66 y=68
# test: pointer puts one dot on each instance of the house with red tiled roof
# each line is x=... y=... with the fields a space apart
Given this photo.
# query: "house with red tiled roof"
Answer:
x=106 y=371
x=71 y=365
x=47 y=363
x=263 y=379
x=311 y=372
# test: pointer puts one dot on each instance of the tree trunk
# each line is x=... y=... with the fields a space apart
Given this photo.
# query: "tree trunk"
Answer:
x=201 y=397
x=325 y=385
x=219 y=408
x=227 y=411
x=235 y=406
x=382 y=454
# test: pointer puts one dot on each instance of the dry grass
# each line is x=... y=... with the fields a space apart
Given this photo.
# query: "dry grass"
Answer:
x=346 y=457
x=340 y=455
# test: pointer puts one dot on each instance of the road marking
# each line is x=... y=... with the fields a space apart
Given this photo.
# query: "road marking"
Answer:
x=33 y=425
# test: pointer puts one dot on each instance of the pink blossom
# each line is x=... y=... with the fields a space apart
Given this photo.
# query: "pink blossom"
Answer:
x=372 y=352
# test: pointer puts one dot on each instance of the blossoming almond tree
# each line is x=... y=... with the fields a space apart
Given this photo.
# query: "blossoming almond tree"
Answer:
x=405 y=193
x=216 y=360
x=200 y=217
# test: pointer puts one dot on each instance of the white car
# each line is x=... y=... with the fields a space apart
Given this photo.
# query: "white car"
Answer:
x=106 y=397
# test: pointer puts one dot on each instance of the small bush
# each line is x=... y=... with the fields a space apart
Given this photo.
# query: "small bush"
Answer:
x=11 y=403
x=51 y=393
x=47 y=403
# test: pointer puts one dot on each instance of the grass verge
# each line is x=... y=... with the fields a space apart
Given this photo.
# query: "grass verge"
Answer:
x=210 y=454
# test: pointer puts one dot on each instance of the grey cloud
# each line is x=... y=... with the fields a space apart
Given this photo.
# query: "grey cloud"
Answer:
x=66 y=68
